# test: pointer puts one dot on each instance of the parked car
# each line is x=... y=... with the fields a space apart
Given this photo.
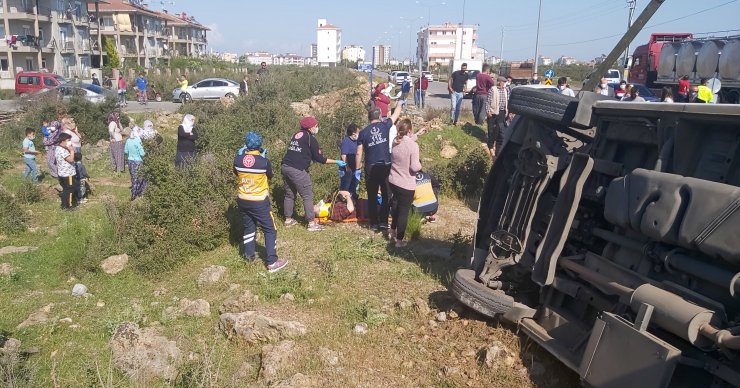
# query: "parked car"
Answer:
x=397 y=77
x=428 y=74
x=207 y=89
x=645 y=92
x=90 y=92
x=613 y=76
x=27 y=82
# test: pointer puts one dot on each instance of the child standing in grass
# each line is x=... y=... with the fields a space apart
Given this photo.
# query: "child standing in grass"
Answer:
x=29 y=156
x=64 y=153
x=135 y=152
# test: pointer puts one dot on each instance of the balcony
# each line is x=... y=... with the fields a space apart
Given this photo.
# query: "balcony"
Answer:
x=67 y=46
x=21 y=10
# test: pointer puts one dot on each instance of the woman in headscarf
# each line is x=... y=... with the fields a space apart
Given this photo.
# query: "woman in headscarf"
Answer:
x=148 y=132
x=135 y=152
x=116 y=142
x=186 y=137
x=70 y=127
x=50 y=142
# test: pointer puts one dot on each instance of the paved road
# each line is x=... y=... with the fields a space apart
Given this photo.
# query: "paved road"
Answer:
x=132 y=107
x=437 y=95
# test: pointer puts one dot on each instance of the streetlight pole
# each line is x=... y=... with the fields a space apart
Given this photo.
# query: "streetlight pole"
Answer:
x=501 y=54
x=537 y=40
x=632 y=4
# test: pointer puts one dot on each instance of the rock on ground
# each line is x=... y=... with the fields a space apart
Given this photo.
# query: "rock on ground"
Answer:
x=5 y=269
x=299 y=380
x=448 y=150
x=238 y=304
x=11 y=249
x=195 y=308
x=211 y=274
x=252 y=327
x=79 y=290
x=274 y=358
x=114 y=264
x=329 y=357
x=38 y=317
x=497 y=354
x=143 y=354
x=421 y=306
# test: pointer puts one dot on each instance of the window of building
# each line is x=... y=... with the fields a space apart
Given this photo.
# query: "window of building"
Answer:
x=29 y=65
x=2 y=25
x=4 y=64
x=26 y=30
x=43 y=63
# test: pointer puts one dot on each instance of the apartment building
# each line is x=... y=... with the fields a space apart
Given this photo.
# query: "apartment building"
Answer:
x=51 y=35
x=353 y=53
x=328 y=44
x=186 y=37
x=441 y=43
x=381 y=55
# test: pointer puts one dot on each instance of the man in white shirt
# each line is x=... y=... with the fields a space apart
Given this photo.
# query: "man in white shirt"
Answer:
x=565 y=88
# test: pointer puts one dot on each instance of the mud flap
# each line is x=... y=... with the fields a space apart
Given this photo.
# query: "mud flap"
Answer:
x=551 y=247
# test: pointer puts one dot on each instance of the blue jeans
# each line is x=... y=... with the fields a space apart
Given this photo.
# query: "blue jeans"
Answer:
x=31 y=169
x=348 y=182
x=419 y=98
x=456 y=99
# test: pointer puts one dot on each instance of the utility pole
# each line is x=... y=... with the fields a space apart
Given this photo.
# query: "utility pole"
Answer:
x=632 y=4
x=537 y=40
x=501 y=54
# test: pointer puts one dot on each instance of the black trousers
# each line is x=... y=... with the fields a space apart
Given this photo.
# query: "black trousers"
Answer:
x=402 y=200
x=479 y=108
x=377 y=180
x=70 y=191
x=496 y=125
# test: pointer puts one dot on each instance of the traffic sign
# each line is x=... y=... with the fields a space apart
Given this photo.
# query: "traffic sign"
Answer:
x=550 y=73
x=548 y=81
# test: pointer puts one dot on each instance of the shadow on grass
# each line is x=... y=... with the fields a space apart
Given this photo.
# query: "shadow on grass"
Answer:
x=476 y=131
x=439 y=259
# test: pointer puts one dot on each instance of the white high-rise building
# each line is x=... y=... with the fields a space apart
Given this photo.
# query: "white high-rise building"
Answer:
x=381 y=55
x=441 y=43
x=328 y=44
x=353 y=53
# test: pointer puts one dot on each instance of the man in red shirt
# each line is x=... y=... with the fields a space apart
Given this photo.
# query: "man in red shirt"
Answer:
x=483 y=82
x=420 y=90
x=683 y=89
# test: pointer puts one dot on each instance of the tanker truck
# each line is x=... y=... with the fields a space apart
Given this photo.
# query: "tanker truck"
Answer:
x=669 y=56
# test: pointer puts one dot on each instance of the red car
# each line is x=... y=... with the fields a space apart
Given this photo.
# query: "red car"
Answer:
x=27 y=82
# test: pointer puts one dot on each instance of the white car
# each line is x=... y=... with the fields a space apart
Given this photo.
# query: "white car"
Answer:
x=207 y=89
x=397 y=77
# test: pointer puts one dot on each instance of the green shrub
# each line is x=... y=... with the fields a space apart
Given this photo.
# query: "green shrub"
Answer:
x=28 y=192
x=12 y=217
x=463 y=177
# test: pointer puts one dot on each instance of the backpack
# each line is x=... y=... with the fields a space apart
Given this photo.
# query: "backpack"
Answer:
x=405 y=86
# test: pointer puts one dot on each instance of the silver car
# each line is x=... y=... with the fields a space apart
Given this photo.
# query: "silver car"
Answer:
x=207 y=89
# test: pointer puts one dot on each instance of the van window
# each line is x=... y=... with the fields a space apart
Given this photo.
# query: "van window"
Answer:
x=28 y=80
x=48 y=81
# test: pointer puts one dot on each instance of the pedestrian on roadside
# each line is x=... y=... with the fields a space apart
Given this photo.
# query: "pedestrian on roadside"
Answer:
x=564 y=87
x=420 y=91
x=405 y=164
x=262 y=72
x=116 y=142
x=244 y=86
x=67 y=174
x=29 y=156
x=634 y=95
x=380 y=100
x=483 y=82
x=666 y=94
x=457 y=86
x=303 y=149
x=141 y=85
x=628 y=93
x=122 y=86
x=95 y=80
x=50 y=143
x=704 y=93
x=182 y=82
x=497 y=110
x=683 y=89
x=621 y=90
x=509 y=84
x=374 y=143
x=348 y=149
x=186 y=137
x=253 y=172
x=134 y=150
x=535 y=79
x=405 y=89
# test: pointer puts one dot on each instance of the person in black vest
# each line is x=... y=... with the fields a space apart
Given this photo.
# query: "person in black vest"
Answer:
x=302 y=150
x=374 y=142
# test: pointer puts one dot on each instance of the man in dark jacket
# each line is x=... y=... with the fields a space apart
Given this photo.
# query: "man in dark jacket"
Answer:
x=302 y=150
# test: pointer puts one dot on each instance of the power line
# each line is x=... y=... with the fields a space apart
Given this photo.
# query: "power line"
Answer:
x=513 y=27
x=650 y=26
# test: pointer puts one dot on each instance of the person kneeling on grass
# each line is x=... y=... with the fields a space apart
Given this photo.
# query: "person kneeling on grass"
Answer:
x=253 y=172
x=426 y=196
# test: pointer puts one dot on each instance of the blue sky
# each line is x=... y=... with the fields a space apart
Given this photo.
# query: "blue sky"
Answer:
x=569 y=27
